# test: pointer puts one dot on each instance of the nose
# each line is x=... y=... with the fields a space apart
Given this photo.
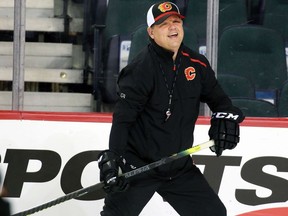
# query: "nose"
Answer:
x=172 y=25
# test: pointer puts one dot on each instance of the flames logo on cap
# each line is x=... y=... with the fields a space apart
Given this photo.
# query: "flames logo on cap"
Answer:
x=165 y=7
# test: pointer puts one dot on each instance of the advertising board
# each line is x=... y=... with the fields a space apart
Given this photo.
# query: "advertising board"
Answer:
x=44 y=156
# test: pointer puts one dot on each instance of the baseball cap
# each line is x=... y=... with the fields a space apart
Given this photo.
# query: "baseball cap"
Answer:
x=159 y=12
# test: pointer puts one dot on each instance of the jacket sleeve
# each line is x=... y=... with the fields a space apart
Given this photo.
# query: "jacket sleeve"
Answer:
x=133 y=94
x=214 y=95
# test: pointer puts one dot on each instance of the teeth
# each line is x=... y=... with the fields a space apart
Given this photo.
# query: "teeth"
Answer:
x=175 y=34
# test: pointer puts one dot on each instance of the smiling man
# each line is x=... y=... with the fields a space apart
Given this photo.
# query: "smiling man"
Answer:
x=165 y=26
x=159 y=97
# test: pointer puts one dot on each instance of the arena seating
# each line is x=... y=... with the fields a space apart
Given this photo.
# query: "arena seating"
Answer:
x=256 y=53
x=255 y=107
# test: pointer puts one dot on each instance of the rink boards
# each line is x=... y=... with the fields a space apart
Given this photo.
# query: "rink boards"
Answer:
x=44 y=156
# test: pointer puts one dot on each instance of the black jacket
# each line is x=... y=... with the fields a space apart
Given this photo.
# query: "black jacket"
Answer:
x=139 y=131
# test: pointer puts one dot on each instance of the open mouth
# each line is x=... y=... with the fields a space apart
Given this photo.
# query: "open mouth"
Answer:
x=173 y=35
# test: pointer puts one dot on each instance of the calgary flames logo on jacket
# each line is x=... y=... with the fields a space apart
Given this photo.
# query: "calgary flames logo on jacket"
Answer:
x=165 y=7
x=190 y=73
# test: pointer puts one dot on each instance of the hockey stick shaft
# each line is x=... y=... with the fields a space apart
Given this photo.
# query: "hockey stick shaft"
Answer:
x=169 y=159
x=98 y=186
x=72 y=195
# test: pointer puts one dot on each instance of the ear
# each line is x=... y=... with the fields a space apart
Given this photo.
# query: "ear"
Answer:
x=150 y=32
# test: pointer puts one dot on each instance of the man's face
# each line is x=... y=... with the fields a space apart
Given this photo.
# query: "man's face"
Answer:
x=169 y=34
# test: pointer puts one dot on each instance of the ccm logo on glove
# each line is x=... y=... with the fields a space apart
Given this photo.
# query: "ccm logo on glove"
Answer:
x=224 y=115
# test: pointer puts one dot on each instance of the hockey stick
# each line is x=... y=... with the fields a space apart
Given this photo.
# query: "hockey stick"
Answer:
x=99 y=186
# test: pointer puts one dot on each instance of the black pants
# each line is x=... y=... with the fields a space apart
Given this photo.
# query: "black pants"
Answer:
x=4 y=208
x=189 y=194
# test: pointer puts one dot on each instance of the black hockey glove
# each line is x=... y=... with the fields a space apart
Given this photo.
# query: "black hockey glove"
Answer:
x=111 y=166
x=224 y=131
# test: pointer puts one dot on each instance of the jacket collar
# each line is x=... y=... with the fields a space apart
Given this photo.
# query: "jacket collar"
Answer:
x=163 y=53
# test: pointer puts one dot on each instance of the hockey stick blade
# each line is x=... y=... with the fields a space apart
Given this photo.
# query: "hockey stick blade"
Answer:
x=99 y=186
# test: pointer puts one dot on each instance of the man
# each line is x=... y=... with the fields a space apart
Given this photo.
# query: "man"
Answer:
x=159 y=96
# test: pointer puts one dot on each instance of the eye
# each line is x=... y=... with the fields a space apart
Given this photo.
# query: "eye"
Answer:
x=163 y=24
x=177 y=21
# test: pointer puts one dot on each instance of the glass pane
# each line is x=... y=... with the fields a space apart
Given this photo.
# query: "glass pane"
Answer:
x=75 y=49
x=254 y=50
